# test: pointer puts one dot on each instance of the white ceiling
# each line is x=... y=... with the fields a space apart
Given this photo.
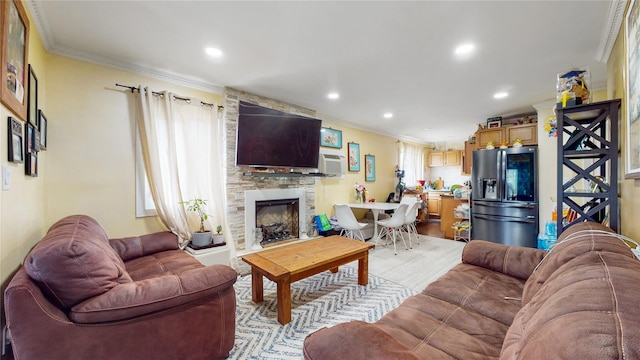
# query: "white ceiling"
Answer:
x=394 y=56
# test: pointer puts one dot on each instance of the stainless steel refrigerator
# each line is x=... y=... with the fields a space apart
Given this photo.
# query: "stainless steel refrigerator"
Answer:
x=505 y=196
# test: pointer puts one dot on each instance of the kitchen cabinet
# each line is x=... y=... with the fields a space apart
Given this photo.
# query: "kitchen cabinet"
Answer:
x=494 y=135
x=528 y=133
x=467 y=157
x=433 y=204
x=445 y=158
x=447 y=217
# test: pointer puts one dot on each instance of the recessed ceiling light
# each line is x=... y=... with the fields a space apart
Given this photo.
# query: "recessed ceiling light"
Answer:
x=333 y=96
x=388 y=115
x=213 y=52
x=500 y=95
x=464 y=49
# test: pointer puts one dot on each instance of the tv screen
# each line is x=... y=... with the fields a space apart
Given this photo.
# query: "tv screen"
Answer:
x=267 y=137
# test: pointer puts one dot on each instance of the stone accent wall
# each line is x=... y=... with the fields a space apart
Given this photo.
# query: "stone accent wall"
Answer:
x=237 y=183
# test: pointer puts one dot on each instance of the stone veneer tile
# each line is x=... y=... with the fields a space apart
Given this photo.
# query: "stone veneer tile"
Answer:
x=237 y=184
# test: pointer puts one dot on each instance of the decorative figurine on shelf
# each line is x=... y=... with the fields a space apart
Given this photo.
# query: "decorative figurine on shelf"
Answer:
x=490 y=145
x=503 y=144
x=517 y=143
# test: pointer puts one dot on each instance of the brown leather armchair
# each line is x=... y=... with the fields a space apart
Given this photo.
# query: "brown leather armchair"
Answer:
x=81 y=295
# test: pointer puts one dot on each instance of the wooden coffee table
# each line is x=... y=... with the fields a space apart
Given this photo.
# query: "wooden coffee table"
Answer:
x=294 y=262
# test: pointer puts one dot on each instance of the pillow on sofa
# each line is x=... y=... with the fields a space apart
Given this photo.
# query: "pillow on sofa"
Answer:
x=74 y=262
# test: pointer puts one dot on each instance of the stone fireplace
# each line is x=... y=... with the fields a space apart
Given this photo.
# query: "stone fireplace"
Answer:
x=241 y=211
x=278 y=213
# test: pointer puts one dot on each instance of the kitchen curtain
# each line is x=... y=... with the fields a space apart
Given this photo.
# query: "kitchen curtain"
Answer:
x=182 y=147
x=412 y=162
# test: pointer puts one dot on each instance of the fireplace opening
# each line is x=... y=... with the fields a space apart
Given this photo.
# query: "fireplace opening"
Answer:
x=278 y=220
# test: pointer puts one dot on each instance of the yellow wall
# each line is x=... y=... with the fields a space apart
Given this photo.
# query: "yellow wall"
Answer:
x=91 y=165
x=629 y=188
x=330 y=191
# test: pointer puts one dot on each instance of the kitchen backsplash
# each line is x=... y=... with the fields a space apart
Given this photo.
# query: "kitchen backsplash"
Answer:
x=450 y=174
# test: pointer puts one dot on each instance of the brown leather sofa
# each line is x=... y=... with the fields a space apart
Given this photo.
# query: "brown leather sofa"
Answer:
x=581 y=300
x=81 y=295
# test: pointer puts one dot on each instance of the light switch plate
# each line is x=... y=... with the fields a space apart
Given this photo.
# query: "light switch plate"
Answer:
x=6 y=178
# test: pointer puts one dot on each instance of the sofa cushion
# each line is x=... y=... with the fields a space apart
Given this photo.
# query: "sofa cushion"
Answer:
x=74 y=262
x=586 y=309
x=575 y=241
x=154 y=294
x=464 y=314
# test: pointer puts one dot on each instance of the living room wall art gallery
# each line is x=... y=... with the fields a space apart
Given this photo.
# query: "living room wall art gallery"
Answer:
x=27 y=128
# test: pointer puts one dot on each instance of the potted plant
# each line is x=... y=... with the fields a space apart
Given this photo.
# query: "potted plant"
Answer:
x=200 y=237
x=218 y=238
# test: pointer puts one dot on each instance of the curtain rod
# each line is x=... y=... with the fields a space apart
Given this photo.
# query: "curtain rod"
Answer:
x=134 y=89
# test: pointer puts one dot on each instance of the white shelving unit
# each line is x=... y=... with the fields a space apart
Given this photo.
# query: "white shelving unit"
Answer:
x=462 y=233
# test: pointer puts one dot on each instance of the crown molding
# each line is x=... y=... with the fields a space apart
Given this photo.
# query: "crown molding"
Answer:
x=38 y=16
x=611 y=29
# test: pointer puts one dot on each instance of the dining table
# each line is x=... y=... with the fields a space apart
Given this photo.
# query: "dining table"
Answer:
x=376 y=208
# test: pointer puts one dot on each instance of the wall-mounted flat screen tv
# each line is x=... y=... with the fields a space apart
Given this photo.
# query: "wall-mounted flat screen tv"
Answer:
x=272 y=138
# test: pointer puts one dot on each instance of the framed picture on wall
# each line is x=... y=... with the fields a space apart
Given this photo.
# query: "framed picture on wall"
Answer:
x=30 y=138
x=632 y=33
x=331 y=138
x=13 y=57
x=31 y=164
x=32 y=110
x=494 y=124
x=354 y=156
x=369 y=168
x=43 y=129
x=16 y=147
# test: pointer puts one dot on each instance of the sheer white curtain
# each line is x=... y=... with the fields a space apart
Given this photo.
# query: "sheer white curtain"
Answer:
x=183 y=150
x=412 y=162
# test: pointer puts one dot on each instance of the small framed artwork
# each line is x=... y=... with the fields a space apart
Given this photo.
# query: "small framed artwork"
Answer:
x=32 y=110
x=494 y=124
x=16 y=153
x=354 y=156
x=31 y=164
x=30 y=139
x=331 y=138
x=369 y=168
x=14 y=30
x=43 y=130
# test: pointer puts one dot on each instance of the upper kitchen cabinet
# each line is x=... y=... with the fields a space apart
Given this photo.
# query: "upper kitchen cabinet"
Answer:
x=528 y=133
x=494 y=135
x=469 y=146
x=445 y=158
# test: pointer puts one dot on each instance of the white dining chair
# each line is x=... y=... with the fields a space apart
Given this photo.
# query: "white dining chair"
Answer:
x=351 y=228
x=409 y=225
x=393 y=226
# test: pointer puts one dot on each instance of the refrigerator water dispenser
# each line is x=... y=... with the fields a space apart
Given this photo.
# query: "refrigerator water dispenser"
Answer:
x=490 y=188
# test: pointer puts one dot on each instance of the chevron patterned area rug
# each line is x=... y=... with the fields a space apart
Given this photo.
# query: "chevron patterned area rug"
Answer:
x=322 y=300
